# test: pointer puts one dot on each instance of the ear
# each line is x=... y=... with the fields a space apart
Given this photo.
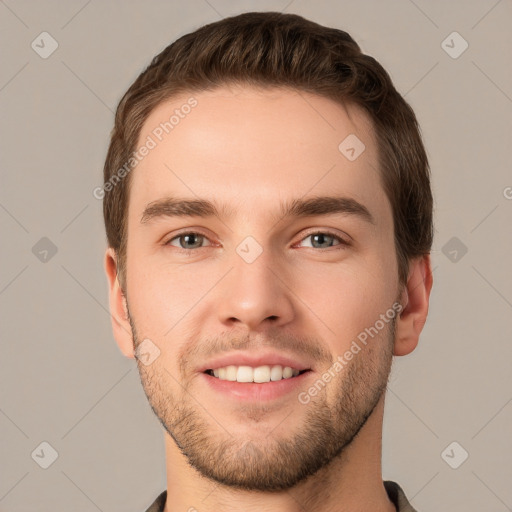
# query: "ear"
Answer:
x=415 y=300
x=118 y=309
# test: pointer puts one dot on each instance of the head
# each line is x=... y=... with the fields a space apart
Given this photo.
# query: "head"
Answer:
x=262 y=104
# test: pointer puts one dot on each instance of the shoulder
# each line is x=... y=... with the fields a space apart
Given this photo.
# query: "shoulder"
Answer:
x=398 y=497
x=159 y=504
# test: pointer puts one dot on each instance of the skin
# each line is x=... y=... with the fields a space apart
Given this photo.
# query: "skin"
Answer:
x=252 y=148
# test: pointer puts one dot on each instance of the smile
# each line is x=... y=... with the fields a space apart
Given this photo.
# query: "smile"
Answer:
x=259 y=374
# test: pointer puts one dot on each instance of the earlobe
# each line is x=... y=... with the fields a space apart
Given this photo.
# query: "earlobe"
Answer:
x=415 y=301
x=118 y=309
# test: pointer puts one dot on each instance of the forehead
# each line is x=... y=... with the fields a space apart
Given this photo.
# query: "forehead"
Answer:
x=254 y=147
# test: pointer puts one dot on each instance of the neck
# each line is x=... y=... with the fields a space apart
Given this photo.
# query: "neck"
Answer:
x=351 y=482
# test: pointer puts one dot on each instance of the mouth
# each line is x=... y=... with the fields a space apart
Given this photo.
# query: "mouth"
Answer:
x=258 y=375
x=255 y=384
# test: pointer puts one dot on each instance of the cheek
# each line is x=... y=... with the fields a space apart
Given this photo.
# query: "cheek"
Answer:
x=348 y=295
x=163 y=298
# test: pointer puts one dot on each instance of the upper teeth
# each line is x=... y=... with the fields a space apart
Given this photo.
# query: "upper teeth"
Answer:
x=264 y=373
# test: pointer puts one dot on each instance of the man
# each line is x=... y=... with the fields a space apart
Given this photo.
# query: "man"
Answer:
x=268 y=211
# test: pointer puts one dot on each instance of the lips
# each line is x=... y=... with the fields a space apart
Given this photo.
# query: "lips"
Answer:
x=236 y=392
x=255 y=360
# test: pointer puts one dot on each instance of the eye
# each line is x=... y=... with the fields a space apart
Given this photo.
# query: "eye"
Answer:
x=195 y=240
x=189 y=240
x=324 y=239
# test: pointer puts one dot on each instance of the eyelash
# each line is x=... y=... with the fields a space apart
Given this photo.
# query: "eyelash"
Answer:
x=341 y=245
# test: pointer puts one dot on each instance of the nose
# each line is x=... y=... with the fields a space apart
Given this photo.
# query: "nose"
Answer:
x=255 y=295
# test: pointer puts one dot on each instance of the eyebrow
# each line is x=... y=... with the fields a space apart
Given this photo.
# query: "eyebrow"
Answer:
x=310 y=207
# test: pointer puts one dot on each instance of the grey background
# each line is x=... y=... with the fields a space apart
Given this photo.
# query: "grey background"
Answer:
x=63 y=379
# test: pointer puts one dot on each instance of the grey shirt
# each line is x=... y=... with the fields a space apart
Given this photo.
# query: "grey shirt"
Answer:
x=395 y=493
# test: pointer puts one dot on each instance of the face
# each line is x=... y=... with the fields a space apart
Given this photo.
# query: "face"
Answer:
x=264 y=275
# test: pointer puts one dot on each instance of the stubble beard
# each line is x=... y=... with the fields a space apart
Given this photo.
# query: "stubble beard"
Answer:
x=277 y=463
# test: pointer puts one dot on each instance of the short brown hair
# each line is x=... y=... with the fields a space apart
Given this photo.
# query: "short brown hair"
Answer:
x=272 y=49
